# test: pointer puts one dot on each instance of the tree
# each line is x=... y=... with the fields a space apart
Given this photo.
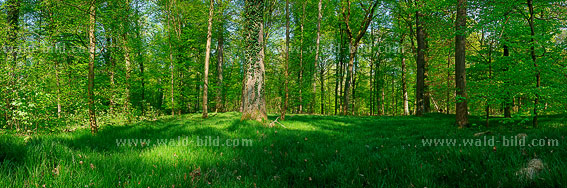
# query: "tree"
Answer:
x=207 y=58
x=254 y=102
x=286 y=63
x=220 y=60
x=404 y=80
x=534 y=59
x=422 y=101
x=322 y=71
x=460 y=64
x=354 y=41
x=92 y=55
x=13 y=18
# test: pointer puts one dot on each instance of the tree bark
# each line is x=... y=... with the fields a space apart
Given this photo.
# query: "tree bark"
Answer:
x=286 y=73
x=220 y=62
x=316 y=63
x=301 y=68
x=421 y=65
x=171 y=60
x=507 y=100
x=207 y=59
x=404 y=80
x=254 y=96
x=92 y=51
x=460 y=65
x=354 y=40
x=534 y=59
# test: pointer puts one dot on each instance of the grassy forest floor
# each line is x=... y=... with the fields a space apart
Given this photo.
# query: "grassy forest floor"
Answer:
x=311 y=151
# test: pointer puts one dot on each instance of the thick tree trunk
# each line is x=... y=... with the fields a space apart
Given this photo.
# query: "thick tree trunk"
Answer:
x=92 y=51
x=354 y=40
x=207 y=59
x=421 y=66
x=254 y=99
x=460 y=65
x=350 y=68
x=286 y=73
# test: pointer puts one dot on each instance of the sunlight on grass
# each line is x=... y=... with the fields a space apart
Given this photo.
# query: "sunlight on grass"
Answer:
x=311 y=151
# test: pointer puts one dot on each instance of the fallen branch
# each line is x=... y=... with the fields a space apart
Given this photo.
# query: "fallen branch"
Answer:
x=276 y=121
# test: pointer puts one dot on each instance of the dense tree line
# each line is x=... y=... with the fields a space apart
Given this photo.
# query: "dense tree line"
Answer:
x=108 y=61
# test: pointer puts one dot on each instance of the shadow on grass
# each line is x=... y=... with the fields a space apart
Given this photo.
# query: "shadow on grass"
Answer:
x=313 y=151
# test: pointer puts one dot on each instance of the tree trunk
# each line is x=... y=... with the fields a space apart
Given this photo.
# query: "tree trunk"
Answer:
x=128 y=65
x=254 y=100
x=421 y=50
x=92 y=51
x=220 y=62
x=507 y=101
x=404 y=81
x=171 y=60
x=286 y=73
x=316 y=63
x=353 y=46
x=460 y=65
x=301 y=60
x=207 y=59
x=112 y=82
x=448 y=94
x=534 y=59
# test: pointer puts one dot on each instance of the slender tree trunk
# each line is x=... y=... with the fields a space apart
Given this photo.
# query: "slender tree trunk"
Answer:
x=534 y=59
x=112 y=82
x=490 y=80
x=220 y=62
x=58 y=89
x=207 y=59
x=92 y=51
x=508 y=100
x=128 y=65
x=337 y=69
x=254 y=98
x=404 y=81
x=127 y=61
x=301 y=68
x=171 y=60
x=316 y=63
x=383 y=97
x=460 y=65
x=448 y=97
x=286 y=73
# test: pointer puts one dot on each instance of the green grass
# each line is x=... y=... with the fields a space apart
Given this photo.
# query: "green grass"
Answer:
x=313 y=151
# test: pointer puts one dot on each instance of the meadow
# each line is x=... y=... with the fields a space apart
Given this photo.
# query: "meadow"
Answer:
x=310 y=151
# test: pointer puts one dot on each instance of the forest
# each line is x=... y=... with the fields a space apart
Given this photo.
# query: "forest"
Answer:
x=359 y=85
